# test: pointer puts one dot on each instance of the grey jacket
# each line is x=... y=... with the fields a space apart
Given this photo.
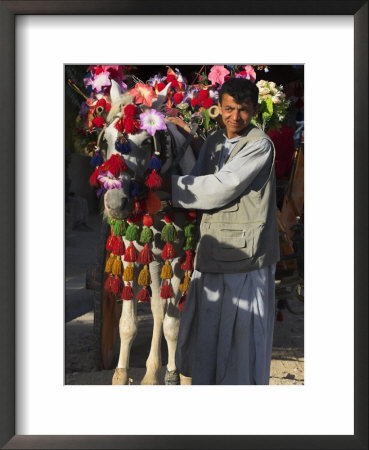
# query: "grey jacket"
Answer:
x=242 y=235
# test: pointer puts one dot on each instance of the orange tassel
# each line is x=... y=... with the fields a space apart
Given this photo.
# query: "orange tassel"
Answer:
x=109 y=263
x=144 y=278
x=166 y=271
x=128 y=273
x=185 y=283
x=153 y=203
x=117 y=267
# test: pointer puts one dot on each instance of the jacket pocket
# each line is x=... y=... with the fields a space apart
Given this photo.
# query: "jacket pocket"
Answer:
x=232 y=245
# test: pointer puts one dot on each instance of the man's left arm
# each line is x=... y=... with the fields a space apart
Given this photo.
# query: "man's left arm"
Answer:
x=217 y=190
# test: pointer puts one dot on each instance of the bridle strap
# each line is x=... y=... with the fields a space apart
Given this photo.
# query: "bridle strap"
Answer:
x=182 y=149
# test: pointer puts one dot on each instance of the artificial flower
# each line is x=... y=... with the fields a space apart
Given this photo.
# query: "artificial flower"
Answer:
x=195 y=102
x=160 y=87
x=98 y=122
x=217 y=74
x=108 y=180
x=100 y=81
x=143 y=93
x=178 y=97
x=251 y=73
x=130 y=125
x=104 y=104
x=203 y=94
x=130 y=110
x=151 y=121
x=207 y=102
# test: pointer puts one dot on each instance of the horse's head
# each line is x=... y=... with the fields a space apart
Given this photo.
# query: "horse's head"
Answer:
x=136 y=147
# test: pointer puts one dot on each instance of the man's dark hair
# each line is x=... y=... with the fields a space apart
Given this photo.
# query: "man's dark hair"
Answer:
x=241 y=89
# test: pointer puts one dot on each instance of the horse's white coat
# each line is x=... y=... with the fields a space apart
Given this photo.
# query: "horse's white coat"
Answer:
x=166 y=315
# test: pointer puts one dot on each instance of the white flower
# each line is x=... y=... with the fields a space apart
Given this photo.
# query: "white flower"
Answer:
x=276 y=99
x=272 y=84
x=261 y=83
x=263 y=91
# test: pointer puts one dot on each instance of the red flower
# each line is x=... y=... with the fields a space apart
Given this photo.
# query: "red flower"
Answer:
x=195 y=102
x=98 y=122
x=160 y=86
x=171 y=78
x=130 y=125
x=104 y=104
x=203 y=94
x=119 y=125
x=207 y=102
x=178 y=97
x=174 y=84
x=130 y=110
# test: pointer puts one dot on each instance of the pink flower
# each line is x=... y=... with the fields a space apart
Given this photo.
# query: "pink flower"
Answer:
x=108 y=180
x=101 y=81
x=151 y=121
x=251 y=72
x=143 y=93
x=217 y=74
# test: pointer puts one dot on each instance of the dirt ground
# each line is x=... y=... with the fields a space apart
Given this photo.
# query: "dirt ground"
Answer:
x=287 y=366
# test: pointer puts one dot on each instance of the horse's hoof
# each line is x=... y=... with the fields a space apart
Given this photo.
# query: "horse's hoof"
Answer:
x=120 y=377
x=185 y=380
x=171 y=377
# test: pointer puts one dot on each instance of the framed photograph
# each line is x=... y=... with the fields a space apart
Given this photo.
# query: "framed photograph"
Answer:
x=38 y=410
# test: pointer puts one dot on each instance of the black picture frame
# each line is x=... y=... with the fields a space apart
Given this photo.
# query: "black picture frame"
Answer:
x=8 y=10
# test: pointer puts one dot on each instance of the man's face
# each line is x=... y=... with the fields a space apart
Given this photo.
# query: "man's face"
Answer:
x=236 y=117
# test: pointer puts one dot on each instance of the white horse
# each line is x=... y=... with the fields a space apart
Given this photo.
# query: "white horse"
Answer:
x=118 y=205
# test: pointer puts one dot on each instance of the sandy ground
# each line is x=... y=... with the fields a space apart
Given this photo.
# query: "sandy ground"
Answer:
x=287 y=360
x=287 y=366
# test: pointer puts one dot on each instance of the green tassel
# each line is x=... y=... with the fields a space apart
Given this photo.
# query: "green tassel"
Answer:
x=146 y=236
x=132 y=232
x=190 y=230
x=190 y=243
x=119 y=227
x=168 y=233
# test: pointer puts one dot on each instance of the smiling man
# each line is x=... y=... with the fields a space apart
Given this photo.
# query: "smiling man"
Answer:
x=226 y=329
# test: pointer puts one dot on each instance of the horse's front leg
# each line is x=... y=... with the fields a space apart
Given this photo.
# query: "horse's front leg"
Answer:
x=127 y=332
x=153 y=362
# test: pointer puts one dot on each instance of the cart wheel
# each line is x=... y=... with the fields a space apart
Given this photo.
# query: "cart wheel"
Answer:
x=106 y=312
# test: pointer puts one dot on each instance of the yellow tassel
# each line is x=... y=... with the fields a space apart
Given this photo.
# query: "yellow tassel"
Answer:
x=144 y=278
x=185 y=283
x=117 y=268
x=109 y=263
x=128 y=273
x=166 y=271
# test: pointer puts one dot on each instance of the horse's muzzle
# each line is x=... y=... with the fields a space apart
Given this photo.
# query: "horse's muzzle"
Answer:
x=117 y=204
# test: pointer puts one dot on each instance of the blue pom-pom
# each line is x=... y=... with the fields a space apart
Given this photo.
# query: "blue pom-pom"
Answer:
x=122 y=146
x=155 y=163
x=133 y=189
x=96 y=160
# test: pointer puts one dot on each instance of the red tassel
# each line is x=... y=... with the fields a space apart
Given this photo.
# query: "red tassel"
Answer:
x=187 y=260
x=115 y=164
x=135 y=218
x=130 y=254
x=154 y=180
x=118 y=246
x=137 y=207
x=93 y=177
x=166 y=290
x=143 y=295
x=109 y=243
x=108 y=283
x=168 y=251
x=169 y=217
x=147 y=220
x=279 y=316
x=116 y=285
x=153 y=203
x=191 y=216
x=127 y=292
x=145 y=255
x=182 y=301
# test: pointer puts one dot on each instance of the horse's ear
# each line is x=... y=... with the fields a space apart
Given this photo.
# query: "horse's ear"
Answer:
x=115 y=92
x=158 y=102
